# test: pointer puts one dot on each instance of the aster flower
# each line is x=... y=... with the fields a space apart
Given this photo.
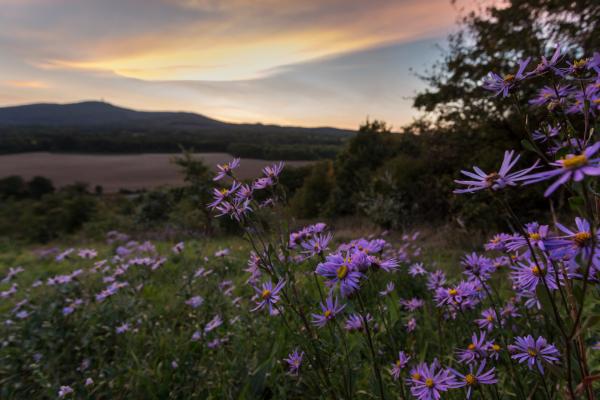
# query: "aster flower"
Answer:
x=195 y=301
x=273 y=171
x=493 y=350
x=576 y=241
x=213 y=323
x=399 y=365
x=474 y=378
x=64 y=391
x=476 y=350
x=355 y=322
x=487 y=320
x=547 y=95
x=268 y=296
x=497 y=84
x=416 y=270
x=528 y=276
x=330 y=309
x=494 y=180
x=317 y=244
x=411 y=325
x=578 y=67
x=178 y=248
x=412 y=304
x=224 y=195
x=572 y=167
x=389 y=288
x=463 y=296
x=537 y=236
x=498 y=242
x=546 y=133
x=294 y=361
x=436 y=279
x=226 y=169
x=122 y=328
x=433 y=381
x=343 y=270
x=546 y=65
x=534 y=352
x=477 y=267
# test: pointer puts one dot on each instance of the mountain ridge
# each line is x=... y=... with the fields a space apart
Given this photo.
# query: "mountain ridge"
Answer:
x=102 y=114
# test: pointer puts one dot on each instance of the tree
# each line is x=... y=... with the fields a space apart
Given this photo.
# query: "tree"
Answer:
x=38 y=186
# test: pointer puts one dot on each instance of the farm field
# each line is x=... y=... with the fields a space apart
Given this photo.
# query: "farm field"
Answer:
x=114 y=172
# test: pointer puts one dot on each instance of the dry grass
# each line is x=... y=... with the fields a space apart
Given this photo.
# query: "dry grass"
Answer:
x=114 y=172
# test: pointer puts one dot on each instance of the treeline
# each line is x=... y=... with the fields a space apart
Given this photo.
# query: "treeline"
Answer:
x=247 y=141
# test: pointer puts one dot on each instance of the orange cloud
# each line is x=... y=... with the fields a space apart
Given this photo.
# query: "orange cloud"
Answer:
x=27 y=84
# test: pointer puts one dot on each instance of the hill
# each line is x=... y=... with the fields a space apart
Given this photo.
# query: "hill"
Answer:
x=100 y=127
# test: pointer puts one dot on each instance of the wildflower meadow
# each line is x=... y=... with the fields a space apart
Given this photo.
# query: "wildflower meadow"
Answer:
x=292 y=311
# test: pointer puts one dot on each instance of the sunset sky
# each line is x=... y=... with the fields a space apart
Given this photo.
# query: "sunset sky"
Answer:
x=304 y=62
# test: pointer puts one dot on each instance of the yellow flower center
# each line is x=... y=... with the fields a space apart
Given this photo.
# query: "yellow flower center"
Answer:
x=575 y=161
x=342 y=271
x=398 y=363
x=532 y=352
x=224 y=191
x=509 y=78
x=266 y=293
x=580 y=63
x=535 y=236
x=328 y=314
x=490 y=318
x=492 y=177
x=471 y=346
x=416 y=376
x=429 y=382
x=496 y=347
x=537 y=271
x=470 y=379
x=596 y=101
x=452 y=292
x=581 y=238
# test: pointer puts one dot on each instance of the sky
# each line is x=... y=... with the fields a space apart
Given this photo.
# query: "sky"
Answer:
x=291 y=62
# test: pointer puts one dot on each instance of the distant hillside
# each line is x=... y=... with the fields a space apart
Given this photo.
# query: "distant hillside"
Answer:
x=100 y=127
x=96 y=113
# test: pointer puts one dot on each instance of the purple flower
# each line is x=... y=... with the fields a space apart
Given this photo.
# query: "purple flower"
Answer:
x=122 y=328
x=389 y=288
x=463 y=296
x=477 y=267
x=498 y=84
x=274 y=170
x=474 y=378
x=412 y=304
x=195 y=301
x=545 y=64
x=542 y=135
x=578 y=240
x=213 y=323
x=494 y=180
x=411 y=325
x=224 y=195
x=547 y=95
x=528 y=276
x=343 y=270
x=64 y=391
x=436 y=279
x=329 y=310
x=294 y=361
x=268 y=296
x=317 y=244
x=226 y=169
x=399 y=365
x=572 y=167
x=537 y=235
x=417 y=269
x=355 y=322
x=432 y=381
x=498 y=242
x=476 y=350
x=534 y=352
x=488 y=319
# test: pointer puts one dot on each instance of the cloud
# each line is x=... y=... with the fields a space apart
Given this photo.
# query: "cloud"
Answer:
x=27 y=84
